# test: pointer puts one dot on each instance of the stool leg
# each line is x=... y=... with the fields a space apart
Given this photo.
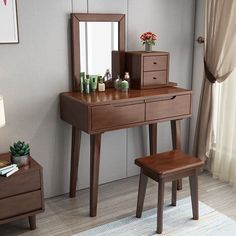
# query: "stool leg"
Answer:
x=174 y=193
x=193 y=181
x=141 y=194
x=160 y=204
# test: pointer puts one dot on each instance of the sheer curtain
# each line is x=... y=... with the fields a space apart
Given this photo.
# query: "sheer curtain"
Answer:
x=224 y=148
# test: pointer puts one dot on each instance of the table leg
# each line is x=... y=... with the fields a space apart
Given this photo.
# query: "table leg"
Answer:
x=32 y=222
x=153 y=138
x=176 y=142
x=95 y=146
x=75 y=150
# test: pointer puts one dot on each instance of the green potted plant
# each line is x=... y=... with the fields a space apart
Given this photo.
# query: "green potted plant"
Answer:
x=20 y=152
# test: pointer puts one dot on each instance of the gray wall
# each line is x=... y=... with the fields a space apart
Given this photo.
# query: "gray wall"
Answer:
x=34 y=72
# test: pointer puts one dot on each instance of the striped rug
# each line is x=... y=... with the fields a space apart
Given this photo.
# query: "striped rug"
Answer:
x=177 y=222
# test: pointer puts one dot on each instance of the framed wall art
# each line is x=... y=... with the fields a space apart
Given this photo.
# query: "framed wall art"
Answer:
x=8 y=22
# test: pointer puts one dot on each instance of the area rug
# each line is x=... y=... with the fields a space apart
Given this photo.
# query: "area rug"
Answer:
x=177 y=222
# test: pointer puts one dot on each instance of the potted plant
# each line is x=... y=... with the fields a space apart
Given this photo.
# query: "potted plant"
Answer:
x=148 y=39
x=20 y=153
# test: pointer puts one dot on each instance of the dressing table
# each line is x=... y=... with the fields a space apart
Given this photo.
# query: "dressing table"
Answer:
x=99 y=112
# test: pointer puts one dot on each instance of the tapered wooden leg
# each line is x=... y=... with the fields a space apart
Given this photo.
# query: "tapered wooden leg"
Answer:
x=176 y=142
x=141 y=194
x=193 y=181
x=32 y=222
x=75 y=149
x=153 y=138
x=174 y=193
x=95 y=146
x=160 y=205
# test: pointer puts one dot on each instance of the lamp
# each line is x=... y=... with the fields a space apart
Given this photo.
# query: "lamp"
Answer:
x=2 y=113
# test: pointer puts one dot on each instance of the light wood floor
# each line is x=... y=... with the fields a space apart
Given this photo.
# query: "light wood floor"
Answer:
x=65 y=216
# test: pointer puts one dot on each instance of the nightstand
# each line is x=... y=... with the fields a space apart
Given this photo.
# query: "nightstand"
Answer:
x=21 y=194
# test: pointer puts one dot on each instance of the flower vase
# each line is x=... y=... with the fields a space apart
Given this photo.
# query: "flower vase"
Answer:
x=148 y=47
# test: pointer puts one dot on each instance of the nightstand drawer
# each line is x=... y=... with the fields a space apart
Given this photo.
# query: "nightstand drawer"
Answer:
x=155 y=78
x=115 y=115
x=155 y=63
x=20 y=204
x=20 y=183
x=166 y=108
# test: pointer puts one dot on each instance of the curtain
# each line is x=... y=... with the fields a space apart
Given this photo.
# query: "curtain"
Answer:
x=223 y=152
x=219 y=62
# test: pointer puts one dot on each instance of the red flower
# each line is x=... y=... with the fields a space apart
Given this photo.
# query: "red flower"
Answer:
x=5 y=2
x=148 y=38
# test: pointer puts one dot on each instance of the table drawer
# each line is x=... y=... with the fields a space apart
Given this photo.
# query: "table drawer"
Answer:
x=115 y=115
x=20 y=204
x=153 y=78
x=20 y=183
x=168 y=107
x=155 y=63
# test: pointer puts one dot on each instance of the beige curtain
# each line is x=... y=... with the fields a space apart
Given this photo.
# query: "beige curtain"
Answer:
x=220 y=61
x=223 y=152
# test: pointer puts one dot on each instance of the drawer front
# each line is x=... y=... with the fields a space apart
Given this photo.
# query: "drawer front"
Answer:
x=154 y=78
x=20 y=204
x=116 y=115
x=171 y=107
x=155 y=63
x=16 y=184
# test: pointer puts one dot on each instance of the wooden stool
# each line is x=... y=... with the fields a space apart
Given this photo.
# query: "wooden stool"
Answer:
x=164 y=167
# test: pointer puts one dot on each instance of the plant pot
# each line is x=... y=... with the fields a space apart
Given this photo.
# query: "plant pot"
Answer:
x=148 y=47
x=20 y=161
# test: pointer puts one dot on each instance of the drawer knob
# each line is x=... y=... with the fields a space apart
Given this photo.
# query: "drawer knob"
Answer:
x=154 y=63
x=154 y=77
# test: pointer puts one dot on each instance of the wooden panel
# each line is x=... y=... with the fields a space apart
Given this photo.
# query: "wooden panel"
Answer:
x=153 y=78
x=74 y=112
x=170 y=107
x=16 y=184
x=23 y=203
x=117 y=115
x=155 y=63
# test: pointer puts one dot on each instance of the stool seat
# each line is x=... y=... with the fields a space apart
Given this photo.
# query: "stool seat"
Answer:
x=168 y=163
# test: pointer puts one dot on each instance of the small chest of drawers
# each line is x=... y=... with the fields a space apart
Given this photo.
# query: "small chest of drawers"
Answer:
x=21 y=194
x=148 y=70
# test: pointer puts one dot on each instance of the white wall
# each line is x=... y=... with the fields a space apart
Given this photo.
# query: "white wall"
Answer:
x=34 y=72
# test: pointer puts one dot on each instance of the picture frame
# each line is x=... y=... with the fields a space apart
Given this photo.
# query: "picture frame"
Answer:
x=9 y=32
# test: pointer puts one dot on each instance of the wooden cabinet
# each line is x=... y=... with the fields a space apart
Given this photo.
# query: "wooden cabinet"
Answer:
x=21 y=194
x=148 y=70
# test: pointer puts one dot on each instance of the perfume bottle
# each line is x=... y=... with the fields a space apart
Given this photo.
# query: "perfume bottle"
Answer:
x=107 y=76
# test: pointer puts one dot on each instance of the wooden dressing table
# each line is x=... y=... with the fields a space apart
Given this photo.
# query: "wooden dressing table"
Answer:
x=99 y=112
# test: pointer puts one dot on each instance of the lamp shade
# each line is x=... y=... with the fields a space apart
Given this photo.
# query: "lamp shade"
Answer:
x=2 y=113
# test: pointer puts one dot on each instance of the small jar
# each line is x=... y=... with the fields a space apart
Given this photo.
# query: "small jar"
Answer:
x=101 y=84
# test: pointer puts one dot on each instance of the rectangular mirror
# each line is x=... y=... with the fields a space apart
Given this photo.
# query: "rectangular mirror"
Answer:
x=94 y=37
x=97 y=41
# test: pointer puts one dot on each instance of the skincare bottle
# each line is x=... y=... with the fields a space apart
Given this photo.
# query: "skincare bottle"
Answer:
x=82 y=78
x=93 y=82
x=107 y=76
x=87 y=85
x=117 y=83
x=101 y=85
x=124 y=86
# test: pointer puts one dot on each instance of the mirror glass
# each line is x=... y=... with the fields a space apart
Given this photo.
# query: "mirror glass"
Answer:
x=97 y=41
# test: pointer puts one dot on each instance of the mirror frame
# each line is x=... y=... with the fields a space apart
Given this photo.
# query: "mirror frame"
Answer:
x=75 y=30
